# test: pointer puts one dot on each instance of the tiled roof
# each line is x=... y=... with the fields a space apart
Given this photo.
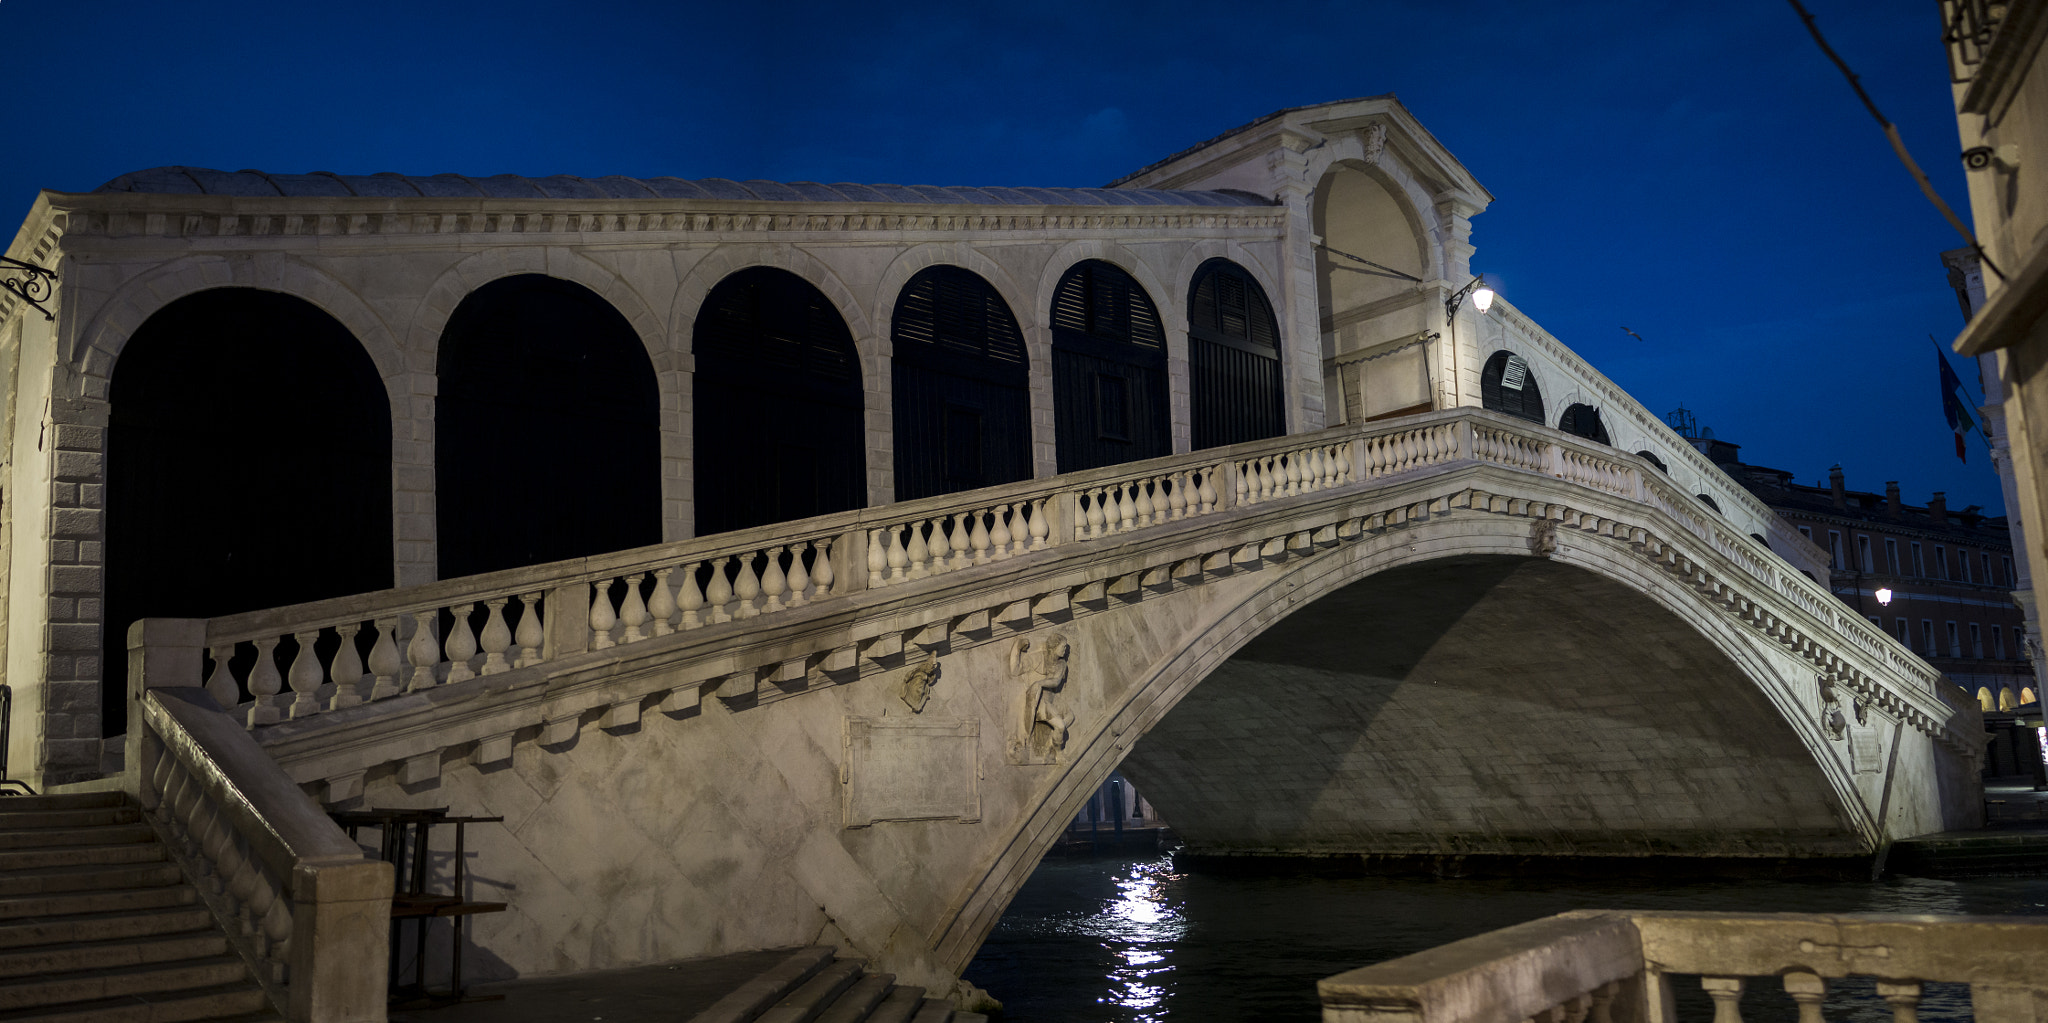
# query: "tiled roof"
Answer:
x=201 y=181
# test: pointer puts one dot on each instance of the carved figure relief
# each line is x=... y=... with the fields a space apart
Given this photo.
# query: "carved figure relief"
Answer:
x=1042 y=664
x=1543 y=538
x=1375 y=142
x=917 y=684
x=1831 y=716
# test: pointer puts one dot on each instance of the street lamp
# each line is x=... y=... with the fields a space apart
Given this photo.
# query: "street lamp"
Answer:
x=1884 y=596
x=1480 y=291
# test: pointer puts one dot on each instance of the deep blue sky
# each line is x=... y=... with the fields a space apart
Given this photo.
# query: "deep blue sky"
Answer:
x=1697 y=172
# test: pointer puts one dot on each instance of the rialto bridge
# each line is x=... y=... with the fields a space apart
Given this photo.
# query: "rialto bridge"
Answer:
x=788 y=563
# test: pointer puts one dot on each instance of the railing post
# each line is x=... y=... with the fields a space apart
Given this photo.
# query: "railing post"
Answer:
x=568 y=620
x=1553 y=459
x=1062 y=510
x=1226 y=485
x=162 y=653
x=850 y=562
x=340 y=941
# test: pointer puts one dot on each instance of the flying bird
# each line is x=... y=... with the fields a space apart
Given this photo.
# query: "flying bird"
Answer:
x=1631 y=333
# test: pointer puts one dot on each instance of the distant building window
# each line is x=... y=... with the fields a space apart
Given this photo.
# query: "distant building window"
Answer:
x=1940 y=562
x=1963 y=565
x=1919 y=565
x=1651 y=457
x=1988 y=580
x=1835 y=550
x=1927 y=636
x=1905 y=634
x=1955 y=643
x=1863 y=554
x=1891 y=555
x=2008 y=570
x=1879 y=622
x=1976 y=642
x=1997 y=643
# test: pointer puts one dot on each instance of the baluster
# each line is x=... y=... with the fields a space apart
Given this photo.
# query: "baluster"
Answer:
x=720 y=591
x=746 y=586
x=1177 y=496
x=424 y=652
x=1206 y=493
x=152 y=795
x=219 y=838
x=1726 y=992
x=602 y=617
x=222 y=685
x=1126 y=509
x=1037 y=525
x=799 y=577
x=998 y=534
x=878 y=559
x=977 y=541
x=1904 y=998
x=1020 y=527
x=261 y=898
x=277 y=926
x=774 y=582
x=1143 y=504
x=1293 y=470
x=385 y=664
x=661 y=604
x=958 y=541
x=1807 y=989
x=633 y=612
x=690 y=596
x=1245 y=491
x=461 y=644
x=239 y=872
x=1317 y=467
x=897 y=558
x=1096 y=517
x=346 y=668
x=497 y=637
x=1602 y=1009
x=305 y=676
x=264 y=684
x=918 y=552
x=530 y=635
x=205 y=830
x=821 y=568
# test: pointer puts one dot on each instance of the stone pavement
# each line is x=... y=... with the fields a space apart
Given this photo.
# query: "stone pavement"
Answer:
x=668 y=992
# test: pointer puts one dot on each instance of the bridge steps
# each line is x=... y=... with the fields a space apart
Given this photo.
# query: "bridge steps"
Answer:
x=811 y=986
x=97 y=923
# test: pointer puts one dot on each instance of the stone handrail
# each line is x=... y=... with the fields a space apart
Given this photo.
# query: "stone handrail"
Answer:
x=1615 y=967
x=297 y=897
x=502 y=630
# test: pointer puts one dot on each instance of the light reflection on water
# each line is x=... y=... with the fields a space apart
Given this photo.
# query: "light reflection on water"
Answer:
x=1136 y=941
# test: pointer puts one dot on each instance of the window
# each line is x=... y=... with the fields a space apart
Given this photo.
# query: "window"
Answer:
x=1835 y=550
x=1927 y=636
x=1879 y=622
x=1891 y=555
x=1963 y=565
x=2008 y=570
x=1940 y=562
x=1905 y=634
x=1987 y=569
x=1919 y=565
x=1976 y=642
x=1997 y=643
x=1955 y=643
x=1863 y=554
x=1806 y=531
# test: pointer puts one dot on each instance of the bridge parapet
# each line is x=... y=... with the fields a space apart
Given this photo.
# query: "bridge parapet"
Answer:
x=1618 y=967
x=760 y=615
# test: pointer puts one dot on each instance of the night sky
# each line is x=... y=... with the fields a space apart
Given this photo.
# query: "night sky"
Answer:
x=1696 y=172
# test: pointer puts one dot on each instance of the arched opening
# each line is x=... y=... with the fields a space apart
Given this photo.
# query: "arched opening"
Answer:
x=1481 y=705
x=2005 y=700
x=779 y=406
x=962 y=386
x=1709 y=502
x=547 y=429
x=1584 y=421
x=1651 y=457
x=1369 y=269
x=1108 y=370
x=1984 y=701
x=1506 y=385
x=2026 y=696
x=1235 y=391
x=248 y=466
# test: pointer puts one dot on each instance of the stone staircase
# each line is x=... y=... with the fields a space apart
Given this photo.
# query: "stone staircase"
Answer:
x=811 y=986
x=98 y=923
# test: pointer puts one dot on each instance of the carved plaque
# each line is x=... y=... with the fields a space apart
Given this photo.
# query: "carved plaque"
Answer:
x=911 y=770
x=1866 y=750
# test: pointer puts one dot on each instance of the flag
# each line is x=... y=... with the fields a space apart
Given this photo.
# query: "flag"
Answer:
x=1952 y=406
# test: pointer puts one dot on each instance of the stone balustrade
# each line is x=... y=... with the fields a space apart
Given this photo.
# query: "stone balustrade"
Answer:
x=674 y=621
x=298 y=899
x=1599 y=966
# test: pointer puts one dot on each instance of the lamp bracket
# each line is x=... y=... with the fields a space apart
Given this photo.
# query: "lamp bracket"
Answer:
x=29 y=281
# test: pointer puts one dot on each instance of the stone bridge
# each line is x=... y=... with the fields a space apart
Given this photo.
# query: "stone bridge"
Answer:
x=1456 y=633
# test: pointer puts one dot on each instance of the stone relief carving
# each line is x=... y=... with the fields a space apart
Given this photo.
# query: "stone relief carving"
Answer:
x=1375 y=142
x=1831 y=716
x=1043 y=666
x=917 y=684
x=1543 y=538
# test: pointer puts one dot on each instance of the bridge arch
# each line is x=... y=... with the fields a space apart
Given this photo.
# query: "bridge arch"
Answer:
x=1833 y=813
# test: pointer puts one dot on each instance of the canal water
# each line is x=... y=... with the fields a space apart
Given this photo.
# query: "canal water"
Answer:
x=1140 y=940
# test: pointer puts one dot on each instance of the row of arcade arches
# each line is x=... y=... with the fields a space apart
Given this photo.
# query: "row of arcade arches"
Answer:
x=248 y=458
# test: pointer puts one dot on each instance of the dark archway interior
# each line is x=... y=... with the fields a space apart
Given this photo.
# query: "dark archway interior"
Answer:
x=962 y=386
x=248 y=466
x=1485 y=704
x=1524 y=399
x=1108 y=370
x=1234 y=384
x=1584 y=421
x=547 y=429
x=778 y=404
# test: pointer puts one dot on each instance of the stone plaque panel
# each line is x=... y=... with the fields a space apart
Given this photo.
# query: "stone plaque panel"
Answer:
x=911 y=770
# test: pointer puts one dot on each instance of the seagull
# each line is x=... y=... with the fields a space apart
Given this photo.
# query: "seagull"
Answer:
x=1631 y=333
